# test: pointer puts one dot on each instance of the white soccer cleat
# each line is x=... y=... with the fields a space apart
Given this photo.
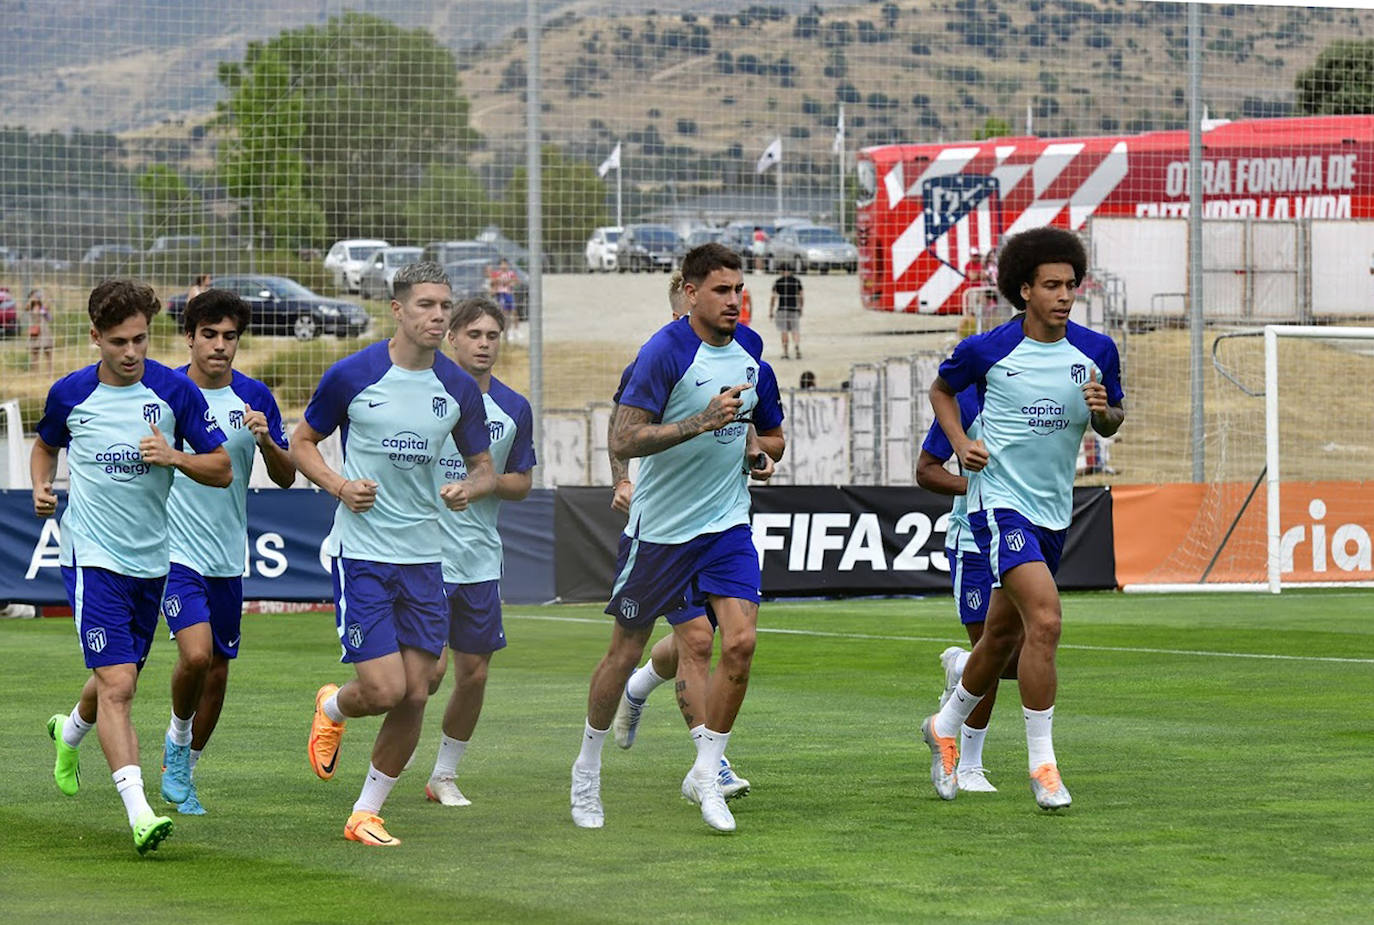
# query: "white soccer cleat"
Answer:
x=626 y=722
x=586 y=799
x=732 y=786
x=705 y=792
x=944 y=759
x=444 y=791
x=1049 y=790
x=975 y=780
x=948 y=659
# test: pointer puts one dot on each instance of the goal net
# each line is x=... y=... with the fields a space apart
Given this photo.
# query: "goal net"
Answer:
x=1288 y=500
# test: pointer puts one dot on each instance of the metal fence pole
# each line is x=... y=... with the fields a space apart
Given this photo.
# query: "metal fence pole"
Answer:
x=1195 y=319
x=534 y=221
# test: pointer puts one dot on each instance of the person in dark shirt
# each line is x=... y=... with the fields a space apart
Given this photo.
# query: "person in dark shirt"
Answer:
x=785 y=308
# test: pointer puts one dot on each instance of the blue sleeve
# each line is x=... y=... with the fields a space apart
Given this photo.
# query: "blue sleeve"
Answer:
x=521 y=458
x=470 y=434
x=1101 y=349
x=657 y=369
x=768 y=412
x=65 y=394
x=937 y=444
x=965 y=366
x=328 y=408
x=970 y=406
x=196 y=424
x=259 y=397
x=624 y=381
x=750 y=340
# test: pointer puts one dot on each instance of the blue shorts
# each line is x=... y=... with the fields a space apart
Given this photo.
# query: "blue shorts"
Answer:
x=116 y=615
x=381 y=606
x=673 y=580
x=506 y=301
x=474 y=617
x=193 y=598
x=1009 y=540
x=972 y=584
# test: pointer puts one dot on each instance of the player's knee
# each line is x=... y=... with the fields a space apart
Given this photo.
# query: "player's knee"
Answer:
x=474 y=678
x=380 y=696
x=1043 y=631
x=116 y=695
x=737 y=648
x=197 y=662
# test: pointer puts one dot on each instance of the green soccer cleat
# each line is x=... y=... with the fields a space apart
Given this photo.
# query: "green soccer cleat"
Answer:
x=151 y=831
x=67 y=769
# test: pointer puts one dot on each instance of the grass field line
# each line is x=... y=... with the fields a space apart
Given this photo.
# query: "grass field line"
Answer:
x=1142 y=650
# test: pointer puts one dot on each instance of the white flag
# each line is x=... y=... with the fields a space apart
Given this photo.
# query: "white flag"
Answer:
x=838 y=146
x=771 y=155
x=610 y=163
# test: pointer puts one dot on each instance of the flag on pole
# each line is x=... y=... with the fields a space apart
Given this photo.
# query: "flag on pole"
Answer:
x=610 y=163
x=771 y=155
x=838 y=146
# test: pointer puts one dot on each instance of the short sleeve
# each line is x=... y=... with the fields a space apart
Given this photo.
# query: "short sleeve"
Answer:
x=768 y=412
x=328 y=408
x=260 y=398
x=1110 y=363
x=196 y=424
x=652 y=378
x=936 y=443
x=624 y=381
x=521 y=458
x=52 y=428
x=964 y=367
x=470 y=434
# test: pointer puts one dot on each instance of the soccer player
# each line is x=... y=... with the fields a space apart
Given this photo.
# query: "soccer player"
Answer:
x=203 y=601
x=396 y=401
x=114 y=532
x=472 y=543
x=972 y=587
x=687 y=549
x=1043 y=379
x=662 y=664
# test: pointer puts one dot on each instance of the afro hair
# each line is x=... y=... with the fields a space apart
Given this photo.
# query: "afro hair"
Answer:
x=1023 y=253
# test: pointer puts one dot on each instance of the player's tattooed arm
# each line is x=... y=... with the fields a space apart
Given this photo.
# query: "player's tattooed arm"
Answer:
x=633 y=432
x=622 y=489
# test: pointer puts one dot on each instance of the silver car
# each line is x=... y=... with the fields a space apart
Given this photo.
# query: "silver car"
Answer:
x=811 y=247
x=375 y=283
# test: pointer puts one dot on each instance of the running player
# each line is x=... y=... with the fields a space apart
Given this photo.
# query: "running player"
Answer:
x=472 y=543
x=662 y=664
x=972 y=587
x=1043 y=379
x=396 y=401
x=114 y=532
x=203 y=602
x=687 y=549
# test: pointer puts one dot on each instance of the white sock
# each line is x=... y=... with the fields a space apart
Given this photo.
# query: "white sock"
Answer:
x=643 y=682
x=971 y=746
x=450 y=753
x=589 y=759
x=128 y=781
x=331 y=708
x=710 y=749
x=1039 y=736
x=195 y=756
x=179 y=730
x=956 y=709
x=376 y=789
x=75 y=728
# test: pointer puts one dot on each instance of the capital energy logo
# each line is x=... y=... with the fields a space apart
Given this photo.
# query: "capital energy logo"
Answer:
x=122 y=462
x=453 y=468
x=1045 y=416
x=407 y=449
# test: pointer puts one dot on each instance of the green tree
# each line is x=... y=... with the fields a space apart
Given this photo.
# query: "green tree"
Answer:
x=168 y=204
x=993 y=128
x=1340 y=82
x=451 y=203
x=574 y=202
x=345 y=117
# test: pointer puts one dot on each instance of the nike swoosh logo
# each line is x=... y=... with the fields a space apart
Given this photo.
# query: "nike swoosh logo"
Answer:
x=376 y=404
x=1018 y=372
x=84 y=420
x=703 y=381
x=370 y=833
x=329 y=768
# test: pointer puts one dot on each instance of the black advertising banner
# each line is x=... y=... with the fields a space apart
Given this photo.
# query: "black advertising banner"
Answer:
x=285 y=530
x=830 y=541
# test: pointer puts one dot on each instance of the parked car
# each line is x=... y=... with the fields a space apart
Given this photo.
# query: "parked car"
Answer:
x=346 y=259
x=447 y=252
x=811 y=247
x=699 y=236
x=739 y=237
x=284 y=306
x=375 y=283
x=648 y=247
x=9 y=313
x=114 y=253
x=601 y=248
x=471 y=277
x=175 y=242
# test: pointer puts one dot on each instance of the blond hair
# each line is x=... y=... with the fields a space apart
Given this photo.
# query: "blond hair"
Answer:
x=676 y=295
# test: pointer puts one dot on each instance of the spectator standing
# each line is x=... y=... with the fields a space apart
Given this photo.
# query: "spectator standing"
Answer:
x=39 y=316
x=785 y=309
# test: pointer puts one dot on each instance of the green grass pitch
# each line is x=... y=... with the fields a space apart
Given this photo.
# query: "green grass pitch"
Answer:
x=1218 y=749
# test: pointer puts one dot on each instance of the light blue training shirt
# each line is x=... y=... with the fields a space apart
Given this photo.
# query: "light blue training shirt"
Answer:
x=1033 y=414
x=393 y=422
x=116 y=516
